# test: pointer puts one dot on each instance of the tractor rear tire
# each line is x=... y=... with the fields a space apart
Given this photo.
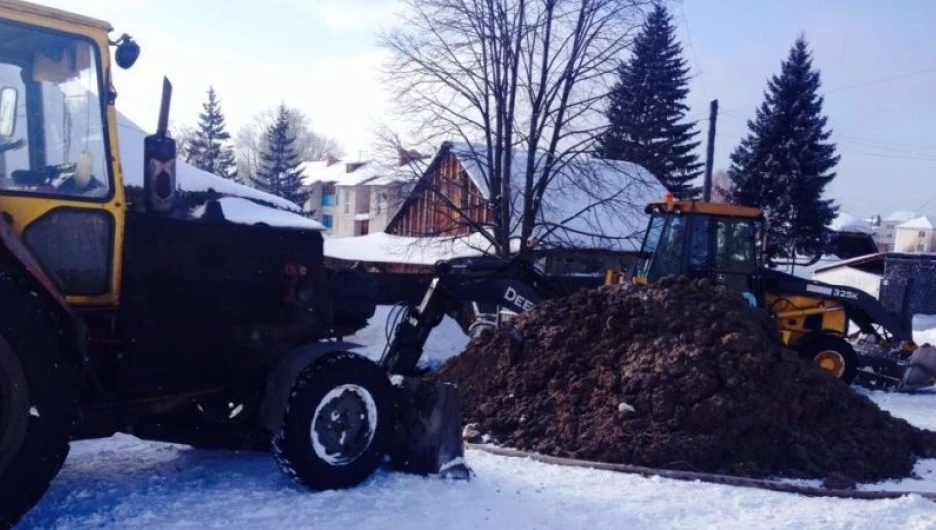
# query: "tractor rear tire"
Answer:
x=338 y=423
x=833 y=354
x=38 y=400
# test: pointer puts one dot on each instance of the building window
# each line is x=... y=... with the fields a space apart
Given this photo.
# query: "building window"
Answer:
x=327 y=221
x=328 y=194
x=919 y=248
x=922 y=233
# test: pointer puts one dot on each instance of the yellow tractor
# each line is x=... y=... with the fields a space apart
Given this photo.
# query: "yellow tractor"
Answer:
x=127 y=311
x=719 y=242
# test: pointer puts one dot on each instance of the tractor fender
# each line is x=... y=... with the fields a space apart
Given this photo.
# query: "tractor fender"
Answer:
x=283 y=375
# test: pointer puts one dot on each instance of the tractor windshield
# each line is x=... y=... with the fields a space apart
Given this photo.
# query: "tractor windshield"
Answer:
x=52 y=139
x=662 y=251
x=699 y=246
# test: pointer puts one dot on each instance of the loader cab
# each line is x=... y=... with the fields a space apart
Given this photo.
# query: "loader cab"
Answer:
x=60 y=183
x=701 y=240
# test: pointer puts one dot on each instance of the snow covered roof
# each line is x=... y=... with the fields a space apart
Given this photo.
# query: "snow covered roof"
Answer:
x=849 y=223
x=923 y=222
x=591 y=203
x=188 y=178
x=900 y=216
x=371 y=172
x=380 y=247
x=245 y=211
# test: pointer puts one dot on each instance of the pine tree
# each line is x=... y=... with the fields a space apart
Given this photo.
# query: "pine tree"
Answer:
x=279 y=172
x=785 y=163
x=209 y=148
x=647 y=107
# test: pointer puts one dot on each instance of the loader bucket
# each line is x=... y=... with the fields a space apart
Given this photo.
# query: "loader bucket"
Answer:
x=921 y=370
x=427 y=438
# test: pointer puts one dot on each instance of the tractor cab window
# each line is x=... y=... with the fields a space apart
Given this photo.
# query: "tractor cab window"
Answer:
x=55 y=144
x=699 y=244
x=668 y=258
x=735 y=260
x=651 y=240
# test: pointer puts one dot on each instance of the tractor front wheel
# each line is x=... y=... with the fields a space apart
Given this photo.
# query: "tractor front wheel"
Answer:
x=338 y=423
x=832 y=354
x=38 y=400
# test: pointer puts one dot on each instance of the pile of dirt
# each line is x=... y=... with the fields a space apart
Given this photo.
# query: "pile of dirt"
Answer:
x=680 y=375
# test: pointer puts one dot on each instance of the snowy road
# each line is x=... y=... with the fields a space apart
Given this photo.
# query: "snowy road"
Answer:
x=123 y=482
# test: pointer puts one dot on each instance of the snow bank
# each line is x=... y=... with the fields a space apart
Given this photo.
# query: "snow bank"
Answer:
x=245 y=211
x=188 y=178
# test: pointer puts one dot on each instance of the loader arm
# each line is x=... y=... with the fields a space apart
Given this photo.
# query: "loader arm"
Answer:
x=863 y=309
x=510 y=284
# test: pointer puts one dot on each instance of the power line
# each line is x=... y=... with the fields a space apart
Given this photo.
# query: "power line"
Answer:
x=886 y=144
x=695 y=57
x=882 y=80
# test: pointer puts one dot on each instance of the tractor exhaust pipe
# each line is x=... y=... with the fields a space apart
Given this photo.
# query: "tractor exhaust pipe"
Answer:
x=159 y=159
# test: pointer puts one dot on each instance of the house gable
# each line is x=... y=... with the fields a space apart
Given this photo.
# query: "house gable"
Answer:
x=445 y=202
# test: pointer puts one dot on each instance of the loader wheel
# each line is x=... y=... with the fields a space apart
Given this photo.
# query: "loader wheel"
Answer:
x=338 y=423
x=38 y=401
x=832 y=354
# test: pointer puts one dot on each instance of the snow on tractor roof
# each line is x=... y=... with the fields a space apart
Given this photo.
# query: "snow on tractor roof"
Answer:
x=188 y=178
x=247 y=212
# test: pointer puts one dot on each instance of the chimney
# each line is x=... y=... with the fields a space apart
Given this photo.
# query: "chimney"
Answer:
x=330 y=161
x=405 y=157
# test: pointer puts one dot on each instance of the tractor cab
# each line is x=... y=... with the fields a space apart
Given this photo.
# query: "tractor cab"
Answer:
x=61 y=187
x=700 y=240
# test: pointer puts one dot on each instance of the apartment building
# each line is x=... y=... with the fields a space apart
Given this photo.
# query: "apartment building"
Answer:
x=916 y=235
x=357 y=198
x=885 y=228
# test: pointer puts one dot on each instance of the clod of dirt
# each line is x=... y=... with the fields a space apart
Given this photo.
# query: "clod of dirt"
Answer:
x=706 y=382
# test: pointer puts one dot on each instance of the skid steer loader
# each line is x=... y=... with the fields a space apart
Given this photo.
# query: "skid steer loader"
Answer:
x=135 y=316
x=719 y=242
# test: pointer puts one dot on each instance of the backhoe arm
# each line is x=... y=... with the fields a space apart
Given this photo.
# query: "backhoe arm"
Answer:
x=509 y=284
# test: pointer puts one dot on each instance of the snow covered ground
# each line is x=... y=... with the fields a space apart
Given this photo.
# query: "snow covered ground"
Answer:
x=924 y=329
x=123 y=482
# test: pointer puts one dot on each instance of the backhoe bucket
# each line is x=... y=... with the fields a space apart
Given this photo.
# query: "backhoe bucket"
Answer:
x=921 y=370
x=428 y=435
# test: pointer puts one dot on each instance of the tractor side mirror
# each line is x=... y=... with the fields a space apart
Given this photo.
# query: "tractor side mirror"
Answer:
x=159 y=158
x=8 y=98
x=128 y=51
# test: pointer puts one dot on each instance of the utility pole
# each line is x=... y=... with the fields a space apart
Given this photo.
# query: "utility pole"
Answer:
x=710 y=153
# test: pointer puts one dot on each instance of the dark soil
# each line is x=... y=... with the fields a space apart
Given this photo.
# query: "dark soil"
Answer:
x=711 y=387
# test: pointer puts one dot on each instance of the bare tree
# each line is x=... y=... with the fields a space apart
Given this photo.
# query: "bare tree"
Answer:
x=183 y=135
x=522 y=83
x=249 y=141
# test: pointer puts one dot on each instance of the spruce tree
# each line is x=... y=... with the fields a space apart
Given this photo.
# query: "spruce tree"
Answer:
x=647 y=109
x=209 y=148
x=279 y=172
x=785 y=163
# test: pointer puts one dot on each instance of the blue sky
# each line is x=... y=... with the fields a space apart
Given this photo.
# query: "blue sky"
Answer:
x=877 y=61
